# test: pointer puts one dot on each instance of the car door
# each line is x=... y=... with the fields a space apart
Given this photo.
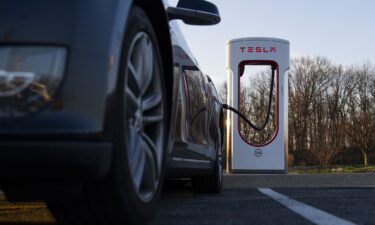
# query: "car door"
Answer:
x=197 y=105
x=191 y=130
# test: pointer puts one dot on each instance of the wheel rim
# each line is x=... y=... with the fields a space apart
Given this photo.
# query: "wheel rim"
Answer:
x=144 y=117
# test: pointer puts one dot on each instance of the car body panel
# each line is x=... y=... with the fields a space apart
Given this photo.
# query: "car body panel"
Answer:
x=92 y=31
x=196 y=113
x=96 y=33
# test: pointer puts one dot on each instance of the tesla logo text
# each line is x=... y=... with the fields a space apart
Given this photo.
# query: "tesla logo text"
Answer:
x=258 y=49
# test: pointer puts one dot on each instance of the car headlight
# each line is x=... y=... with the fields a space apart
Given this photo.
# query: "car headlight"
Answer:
x=29 y=77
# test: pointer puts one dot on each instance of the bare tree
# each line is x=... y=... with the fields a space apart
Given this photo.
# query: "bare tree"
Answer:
x=309 y=82
x=362 y=125
x=331 y=110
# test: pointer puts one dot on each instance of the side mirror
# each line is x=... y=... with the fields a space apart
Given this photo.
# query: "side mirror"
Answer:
x=194 y=12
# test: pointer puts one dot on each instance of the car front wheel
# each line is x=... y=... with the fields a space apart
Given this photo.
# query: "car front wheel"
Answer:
x=130 y=193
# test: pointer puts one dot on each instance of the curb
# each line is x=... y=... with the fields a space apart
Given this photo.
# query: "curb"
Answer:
x=298 y=180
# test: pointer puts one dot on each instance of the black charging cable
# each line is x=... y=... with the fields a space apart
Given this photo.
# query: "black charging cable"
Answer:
x=228 y=107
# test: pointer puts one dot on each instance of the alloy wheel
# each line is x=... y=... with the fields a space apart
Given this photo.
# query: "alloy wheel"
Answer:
x=145 y=111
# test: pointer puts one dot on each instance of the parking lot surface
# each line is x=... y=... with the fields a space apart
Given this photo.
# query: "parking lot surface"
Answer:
x=246 y=204
x=325 y=205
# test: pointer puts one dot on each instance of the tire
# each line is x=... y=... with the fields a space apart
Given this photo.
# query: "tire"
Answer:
x=130 y=192
x=214 y=182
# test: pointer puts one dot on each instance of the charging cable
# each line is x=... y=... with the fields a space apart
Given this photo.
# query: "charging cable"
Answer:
x=228 y=107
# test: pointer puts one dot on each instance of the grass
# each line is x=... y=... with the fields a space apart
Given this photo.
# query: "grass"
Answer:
x=24 y=213
x=332 y=169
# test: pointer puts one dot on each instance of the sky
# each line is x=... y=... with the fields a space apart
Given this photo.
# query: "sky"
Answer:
x=340 y=30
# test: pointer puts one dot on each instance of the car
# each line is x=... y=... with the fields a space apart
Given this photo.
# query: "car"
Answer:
x=99 y=102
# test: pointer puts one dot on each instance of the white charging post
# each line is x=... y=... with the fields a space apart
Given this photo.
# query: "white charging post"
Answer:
x=271 y=155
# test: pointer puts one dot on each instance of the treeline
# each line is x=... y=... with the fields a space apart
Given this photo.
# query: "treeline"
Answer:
x=331 y=112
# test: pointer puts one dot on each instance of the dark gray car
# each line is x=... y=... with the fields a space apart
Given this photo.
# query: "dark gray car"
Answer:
x=98 y=99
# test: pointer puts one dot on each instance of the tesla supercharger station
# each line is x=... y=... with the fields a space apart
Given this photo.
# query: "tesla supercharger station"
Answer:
x=246 y=55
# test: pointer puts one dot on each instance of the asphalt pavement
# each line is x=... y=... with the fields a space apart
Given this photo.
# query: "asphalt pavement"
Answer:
x=248 y=204
x=247 y=199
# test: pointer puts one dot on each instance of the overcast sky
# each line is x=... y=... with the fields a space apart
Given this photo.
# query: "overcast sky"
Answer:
x=341 y=30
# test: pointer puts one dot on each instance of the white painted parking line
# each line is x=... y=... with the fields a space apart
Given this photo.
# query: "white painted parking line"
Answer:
x=310 y=213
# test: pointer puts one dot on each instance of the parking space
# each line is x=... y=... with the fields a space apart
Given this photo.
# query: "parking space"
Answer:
x=353 y=204
x=246 y=204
